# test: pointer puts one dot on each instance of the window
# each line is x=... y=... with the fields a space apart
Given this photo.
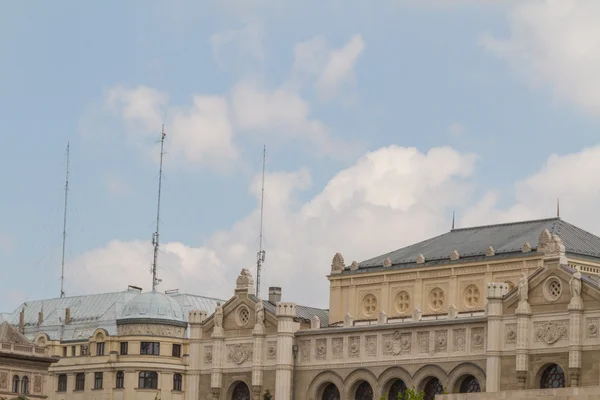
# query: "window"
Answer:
x=73 y=351
x=25 y=385
x=62 y=383
x=148 y=380
x=80 y=381
x=150 y=348
x=100 y=349
x=64 y=351
x=177 y=382
x=124 y=348
x=16 y=382
x=120 y=380
x=176 y=350
x=98 y=378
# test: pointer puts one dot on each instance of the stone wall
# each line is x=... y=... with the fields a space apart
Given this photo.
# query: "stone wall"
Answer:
x=582 y=393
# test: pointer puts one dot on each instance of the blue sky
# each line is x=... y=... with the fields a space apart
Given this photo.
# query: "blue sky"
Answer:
x=350 y=100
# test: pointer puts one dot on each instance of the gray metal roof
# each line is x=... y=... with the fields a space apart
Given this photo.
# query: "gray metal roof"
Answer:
x=504 y=238
x=302 y=312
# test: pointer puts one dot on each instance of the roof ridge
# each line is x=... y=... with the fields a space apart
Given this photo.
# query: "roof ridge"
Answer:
x=505 y=224
x=77 y=296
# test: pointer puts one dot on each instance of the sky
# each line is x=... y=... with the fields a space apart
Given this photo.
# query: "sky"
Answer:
x=380 y=120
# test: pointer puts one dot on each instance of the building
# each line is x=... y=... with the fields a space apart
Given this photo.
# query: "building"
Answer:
x=482 y=309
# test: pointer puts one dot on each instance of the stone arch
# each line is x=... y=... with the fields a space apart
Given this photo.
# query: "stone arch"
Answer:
x=99 y=335
x=355 y=378
x=41 y=339
x=387 y=378
x=423 y=374
x=463 y=371
x=540 y=374
x=320 y=382
x=232 y=388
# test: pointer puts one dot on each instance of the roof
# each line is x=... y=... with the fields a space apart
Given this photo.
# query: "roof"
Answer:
x=506 y=239
x=152 y=306
x=303 y=312
x=10 y=334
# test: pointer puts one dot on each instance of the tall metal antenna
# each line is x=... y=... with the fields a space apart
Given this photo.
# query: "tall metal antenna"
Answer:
x=155 y=236
x=64 y=238
x=452 y=220
x=558 y=207
x=260 y=255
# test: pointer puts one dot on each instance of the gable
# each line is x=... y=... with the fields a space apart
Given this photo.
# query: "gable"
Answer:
x=239 y=318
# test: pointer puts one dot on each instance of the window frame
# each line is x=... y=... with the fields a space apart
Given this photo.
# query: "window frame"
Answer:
x=73 y=351
x=24 y=385
x=62 y=383
x=100 y=349
x=79 y=383
x=150 y=377
x=176 y=350
x=154 y=348
x=16 y=383
x=178 y=382
x=120 y=380
x=98 y=380
x=124 y=348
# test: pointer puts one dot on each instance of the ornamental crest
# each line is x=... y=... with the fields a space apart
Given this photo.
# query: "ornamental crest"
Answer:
x=396 y=343
x=550 y=332
x=238 y=353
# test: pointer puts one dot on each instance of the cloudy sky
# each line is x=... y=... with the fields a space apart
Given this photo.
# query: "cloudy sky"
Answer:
x=380 y=119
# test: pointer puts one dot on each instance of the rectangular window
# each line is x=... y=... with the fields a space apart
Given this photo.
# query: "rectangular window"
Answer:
x=152 y=348
x=73 y=351
x=124 y=348
x=80 y=381
x=98 y=377
x=62 y=383
x=177 y=382
x=176 y=350
x=148 y=380
x=64 y=351
x=120 y=380
x=99 y=349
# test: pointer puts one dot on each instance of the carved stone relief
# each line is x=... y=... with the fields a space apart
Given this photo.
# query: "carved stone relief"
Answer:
x=371 y=345
x=305 y=350
x=436 y=299
x=423 y=342
x=208 y=354
x=239 y=353
x=37 y=384
x=471 y=296
x=402 y=302
x=511 y=333
x=396 y=343
x=460 y=339
x=271 y=350
x=477 y=339
x=337 y=345
x=354 y=346
x=151 y=330
x=321 y=351
x=441 y=341
x=593 y=327
x=84 y=349
x=3 y=380
x=551 y=332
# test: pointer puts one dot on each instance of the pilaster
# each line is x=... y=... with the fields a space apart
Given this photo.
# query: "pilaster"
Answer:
x=575 y=328
x=259 y=333
x=192 y=382
x=523 y=322
x=216 y=375
x=495 y=294
x=286 y=327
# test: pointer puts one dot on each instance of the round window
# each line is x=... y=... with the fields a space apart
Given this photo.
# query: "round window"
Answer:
x=471 y=296
x=552 y=288
x=369 y=305
x=242 y=316
x=402 y=302
x=436 y=299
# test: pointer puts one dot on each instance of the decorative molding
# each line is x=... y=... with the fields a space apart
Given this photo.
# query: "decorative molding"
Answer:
x=208 y=354
x=371 y=345
x=435 y=274
x=337 y=345
x=551 y=332
x=423 y=342
x=470 y=270
x=441 y=341
x=239 y=353
x=503 y=267
x=593 y=326
x=402 y=301
x=460 y=339
x=3 y=380
x=397 y=343
x=305 y=350
x=150 y=330
x=511 y=333
x=363 y=281
x=321 y=350
x=37 y=384
x=477 y=339
x=354 y=346
x=402 y=277
x=272 y=350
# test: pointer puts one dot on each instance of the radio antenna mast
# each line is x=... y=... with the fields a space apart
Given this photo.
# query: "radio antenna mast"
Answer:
x=155 y=236
x=64 y=236
x=260 y=255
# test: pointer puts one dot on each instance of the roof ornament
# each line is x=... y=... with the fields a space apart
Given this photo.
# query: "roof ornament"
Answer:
x=337 y=264
x=420 y=259
x=387 y=262
x=526 y=247
x=454 y=255
x=544 y=240
x=489 y=252
x=353 y=266
x=315 y=323
x=244 y=281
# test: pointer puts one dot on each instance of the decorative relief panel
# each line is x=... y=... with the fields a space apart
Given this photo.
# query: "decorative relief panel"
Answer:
x=477 y=339
x=402 y=302
x=551 y=332
x=363 y=281
x=503 y=267
x=423 y=342
x=369 y=302
x=239 y=353
x=304 y=350
x=470 y=270
x=354 y=346
x=396 y=343
x=402 y=277
x=208 y=354
x=371 y=345
x=151 y=330
x=433 y=274
x=511 y=333
x=593 y=325
x=321 y=350
x=37 y=384
x=3 y=380
x=471 y=295
x=441 y=341
x=337 y=345
x=436 y=299
x=271 y=350
x=460 y=339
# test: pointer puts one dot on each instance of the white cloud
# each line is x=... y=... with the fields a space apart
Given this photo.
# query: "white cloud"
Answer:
x=555 y=43
x=388 y=198
x=200 y=133
x=246 y=42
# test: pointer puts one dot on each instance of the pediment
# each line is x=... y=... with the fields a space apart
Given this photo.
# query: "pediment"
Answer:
x=239 y=317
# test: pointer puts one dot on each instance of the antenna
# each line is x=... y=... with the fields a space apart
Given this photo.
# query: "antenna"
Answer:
x=260 y=255
x=155 y=236
x=64 y=238
x=558 y=207
x=452 y=220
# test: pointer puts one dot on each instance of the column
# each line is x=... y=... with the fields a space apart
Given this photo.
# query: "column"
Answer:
x=192 y=380
x=575 y=320
x=216 y=375
x=286 y=312
x=257 y=360
x=495 y=294
x=523 y=313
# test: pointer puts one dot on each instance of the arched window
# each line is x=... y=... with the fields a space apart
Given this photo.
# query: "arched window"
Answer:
x=177 y=382
x=241 y=392
x=552 y=377
x=25 y=385
x=148 y=380
x=331 y=392
x=120 y=381
x=397 y=388
x=364 y=391
x=470 y=385
x=16 y=382
x=433 y=387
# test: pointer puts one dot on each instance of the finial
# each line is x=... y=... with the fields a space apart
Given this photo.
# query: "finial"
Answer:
x=558 y=207
x=452 y=220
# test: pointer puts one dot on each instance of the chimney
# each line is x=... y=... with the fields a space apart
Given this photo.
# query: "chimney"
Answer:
x=40 y=318
x=68 y=316
x=274 y=295
x=22 y=320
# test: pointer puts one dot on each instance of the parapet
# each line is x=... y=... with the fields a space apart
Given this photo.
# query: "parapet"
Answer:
x=286 y=309
x=496 y=290
x=197 y=316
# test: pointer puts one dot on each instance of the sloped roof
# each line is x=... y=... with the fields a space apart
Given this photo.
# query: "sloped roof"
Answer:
x=504 y=238
x=10 y=334
x=302 y=312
